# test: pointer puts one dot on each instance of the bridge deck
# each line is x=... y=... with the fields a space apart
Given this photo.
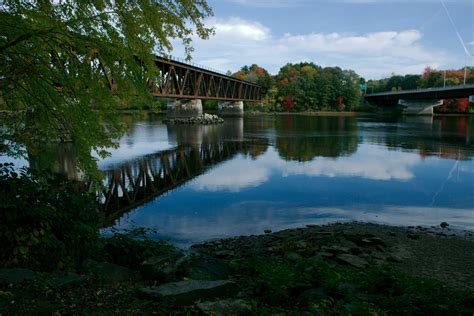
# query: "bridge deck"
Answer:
x=424 y=94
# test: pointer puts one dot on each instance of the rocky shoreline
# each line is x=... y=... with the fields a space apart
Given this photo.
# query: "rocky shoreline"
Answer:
x=311 y=270
x=203 y=119
x=438 y=252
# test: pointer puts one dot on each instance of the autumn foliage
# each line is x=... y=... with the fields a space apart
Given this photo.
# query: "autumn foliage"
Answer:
x=288 y=102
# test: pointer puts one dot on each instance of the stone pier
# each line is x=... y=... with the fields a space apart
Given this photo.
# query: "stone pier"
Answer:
x=230 y=108
x=180 y=109
x=419 y=107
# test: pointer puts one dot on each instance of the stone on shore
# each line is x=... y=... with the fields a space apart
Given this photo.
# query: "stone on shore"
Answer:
x=109 y=272
x=352 y=260
x=190 y=291
x=162 y=268
x=66 y=279
x=228 y=307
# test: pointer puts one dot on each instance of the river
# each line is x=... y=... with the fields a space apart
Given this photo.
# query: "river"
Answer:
x=195 y=183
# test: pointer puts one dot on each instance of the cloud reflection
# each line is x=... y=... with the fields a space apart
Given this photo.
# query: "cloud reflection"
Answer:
x=369 y=162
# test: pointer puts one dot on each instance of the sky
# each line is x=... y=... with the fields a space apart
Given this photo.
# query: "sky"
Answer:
x=376 y=38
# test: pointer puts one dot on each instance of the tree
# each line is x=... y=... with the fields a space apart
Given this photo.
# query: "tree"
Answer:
x=65 y=66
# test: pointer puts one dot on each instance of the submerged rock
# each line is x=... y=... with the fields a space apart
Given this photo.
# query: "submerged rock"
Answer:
x=187 y=292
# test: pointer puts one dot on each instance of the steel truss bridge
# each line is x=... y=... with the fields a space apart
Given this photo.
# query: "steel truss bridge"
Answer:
x=181 y=80
x=140 y=181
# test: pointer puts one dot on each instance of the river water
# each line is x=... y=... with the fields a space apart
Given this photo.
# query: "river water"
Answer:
x=275 y=172
x=195 y=183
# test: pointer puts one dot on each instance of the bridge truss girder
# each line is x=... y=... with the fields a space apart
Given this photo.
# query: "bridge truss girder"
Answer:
x=182 y=81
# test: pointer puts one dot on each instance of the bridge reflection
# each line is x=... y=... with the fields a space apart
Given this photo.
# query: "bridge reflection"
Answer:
x=139 y=181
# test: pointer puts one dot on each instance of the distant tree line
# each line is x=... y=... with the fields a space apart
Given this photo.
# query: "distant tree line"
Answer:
x=309 y=87
x=306 y=87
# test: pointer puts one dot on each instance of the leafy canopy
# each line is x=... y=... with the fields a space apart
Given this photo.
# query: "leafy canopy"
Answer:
x=66 y=66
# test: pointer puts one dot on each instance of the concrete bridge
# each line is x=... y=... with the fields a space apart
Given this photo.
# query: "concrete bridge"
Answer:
x=421 y=101
x=189 y=84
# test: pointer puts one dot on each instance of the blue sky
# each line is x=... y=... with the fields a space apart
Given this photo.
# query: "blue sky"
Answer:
x=373 y=37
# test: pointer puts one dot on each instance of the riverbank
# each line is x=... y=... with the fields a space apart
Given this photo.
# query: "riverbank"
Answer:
x=331 y=269
x=311 y=113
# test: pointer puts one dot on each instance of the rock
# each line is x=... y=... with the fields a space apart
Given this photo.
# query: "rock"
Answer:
x=109 y=272
x=392 y=233
x=229 y=307
x=394 y=258
x=413 y=236
x=301 y=245
x=66 y=280
x=187 y=292
x=324 y=233
x=376 y=241
x=267 y=231
x=209 y=268
x=323 y=254
x=335 y=249
x=15 y=276
x=444 y=225
x=312 y=296
x=162 y=268
x=352 y=260
x=224 y=254
x=204 y=119
x=293 y=256
x=379 y=256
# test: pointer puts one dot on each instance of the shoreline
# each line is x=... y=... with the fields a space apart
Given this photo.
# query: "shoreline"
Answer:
x=318 y=269
x=418 y=251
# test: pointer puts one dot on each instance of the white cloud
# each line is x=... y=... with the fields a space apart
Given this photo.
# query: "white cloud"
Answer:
x=238 y=42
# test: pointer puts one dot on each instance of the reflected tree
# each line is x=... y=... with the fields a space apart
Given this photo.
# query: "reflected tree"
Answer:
x=304 y=138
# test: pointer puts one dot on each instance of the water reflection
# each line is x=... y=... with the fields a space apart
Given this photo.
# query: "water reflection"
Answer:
x=200 y=182
x=303 y=138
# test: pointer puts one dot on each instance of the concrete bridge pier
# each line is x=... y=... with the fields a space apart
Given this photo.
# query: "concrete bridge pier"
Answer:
x=419 y=107
x=184 y=109
x=230 y=108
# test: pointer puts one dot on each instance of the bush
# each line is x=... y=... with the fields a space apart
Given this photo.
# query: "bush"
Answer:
x=130 y=248
x=46 y=222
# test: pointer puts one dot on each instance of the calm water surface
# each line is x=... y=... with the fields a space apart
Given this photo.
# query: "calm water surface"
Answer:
x=275 y=172
x=195 y=183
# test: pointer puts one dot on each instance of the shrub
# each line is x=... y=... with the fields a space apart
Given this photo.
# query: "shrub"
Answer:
x=46 y=222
